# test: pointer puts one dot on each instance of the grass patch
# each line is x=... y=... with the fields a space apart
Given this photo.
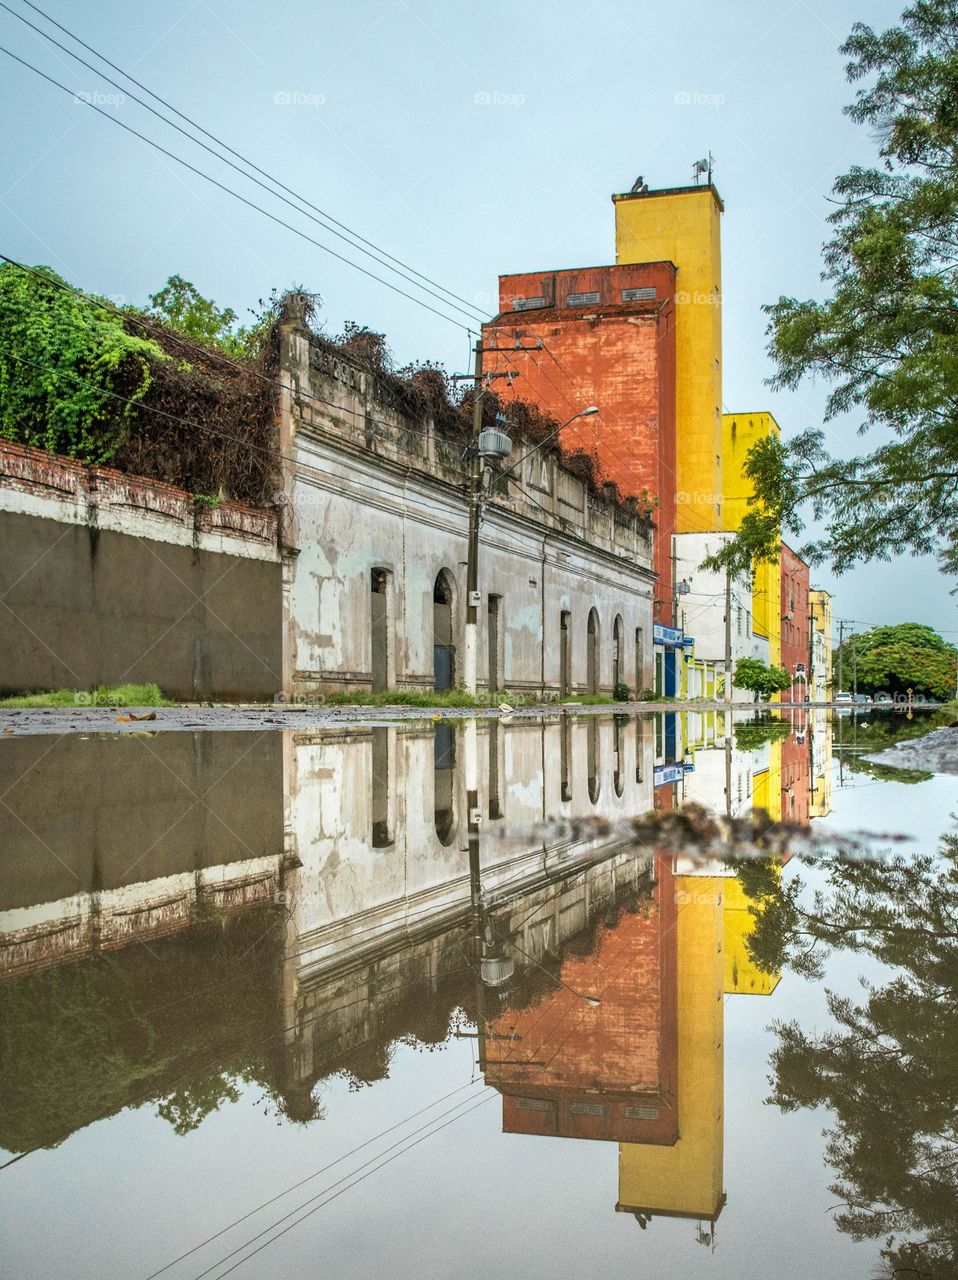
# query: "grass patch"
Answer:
x=404 y=698
x=590 y=700
x=122 y=695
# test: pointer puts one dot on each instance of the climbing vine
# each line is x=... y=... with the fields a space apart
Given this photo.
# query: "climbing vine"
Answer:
x=63 y=363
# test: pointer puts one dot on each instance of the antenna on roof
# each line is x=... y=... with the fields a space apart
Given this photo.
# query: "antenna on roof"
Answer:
x=703 y=166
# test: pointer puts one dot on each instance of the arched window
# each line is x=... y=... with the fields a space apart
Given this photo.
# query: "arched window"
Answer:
x=592 y=756
x=443 y=649
x=592 y=653
x=444 y=776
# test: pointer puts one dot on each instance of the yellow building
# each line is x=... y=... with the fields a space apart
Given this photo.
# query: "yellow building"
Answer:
x=686 y=1179
x=683 y=225
x=739 y=432
x=820 y=607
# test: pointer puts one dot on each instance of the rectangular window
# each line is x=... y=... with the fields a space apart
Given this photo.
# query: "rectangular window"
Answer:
x=527 y=304
x=587 y=1109
x=638 y=295
x=534 y=1104
x=581 y=299
x=641 y=1113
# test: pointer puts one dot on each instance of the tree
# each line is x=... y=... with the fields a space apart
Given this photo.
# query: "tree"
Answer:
x=886 y=337
x=762 y=680
x=886 y=1069
x=899 y=658
x=181 y=305
x=70 y=373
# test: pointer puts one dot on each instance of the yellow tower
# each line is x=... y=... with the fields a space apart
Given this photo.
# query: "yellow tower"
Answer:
x=683 y=225
x=685 y=1179
x=739 y=432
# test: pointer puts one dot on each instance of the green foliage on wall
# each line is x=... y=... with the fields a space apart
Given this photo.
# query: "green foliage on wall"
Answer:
x=63 y=362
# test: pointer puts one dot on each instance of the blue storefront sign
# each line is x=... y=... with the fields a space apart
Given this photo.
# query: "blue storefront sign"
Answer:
x=663 y=774
x=672 y=636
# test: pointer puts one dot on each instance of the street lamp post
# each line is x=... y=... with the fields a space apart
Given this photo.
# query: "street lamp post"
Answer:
x=487 y=444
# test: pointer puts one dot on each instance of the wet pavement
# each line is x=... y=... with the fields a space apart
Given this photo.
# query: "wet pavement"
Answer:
x=406 y=998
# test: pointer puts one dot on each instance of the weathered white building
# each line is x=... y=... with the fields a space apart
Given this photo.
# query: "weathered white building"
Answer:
x=702 y=607
x=376 y=511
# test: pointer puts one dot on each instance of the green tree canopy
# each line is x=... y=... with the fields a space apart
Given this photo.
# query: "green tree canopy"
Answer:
x=886 y=336
x=761 y=679
x=63 y=364
x=896 y=659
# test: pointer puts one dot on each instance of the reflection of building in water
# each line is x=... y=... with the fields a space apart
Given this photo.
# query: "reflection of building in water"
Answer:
x=363 y=868
x=820 y=771
x=568 y=1067
x=109 y=841
x=366 y=923
x=685 y=1177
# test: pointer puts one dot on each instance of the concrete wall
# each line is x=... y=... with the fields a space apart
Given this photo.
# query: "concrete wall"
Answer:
x=375 y=490
x=113 y=579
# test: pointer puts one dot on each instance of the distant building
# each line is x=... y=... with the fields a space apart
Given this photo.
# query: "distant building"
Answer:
x=820 y=609
x=795 y=623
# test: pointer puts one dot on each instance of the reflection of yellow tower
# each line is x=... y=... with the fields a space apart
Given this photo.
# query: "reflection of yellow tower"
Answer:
x=739 y=432
x=685 y=1179
x=742 y=975
x=683 y=225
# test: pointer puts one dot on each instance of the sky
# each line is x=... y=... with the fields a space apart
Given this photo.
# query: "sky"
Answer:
x=466 y=142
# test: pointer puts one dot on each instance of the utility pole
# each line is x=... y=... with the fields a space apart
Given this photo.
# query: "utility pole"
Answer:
x=499 y=447
x=841 y=632
x=728 y=635
x=471 y=640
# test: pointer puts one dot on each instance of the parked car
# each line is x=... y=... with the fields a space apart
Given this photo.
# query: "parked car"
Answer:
x=843 y=696
x=859 y=698
x=883 y=698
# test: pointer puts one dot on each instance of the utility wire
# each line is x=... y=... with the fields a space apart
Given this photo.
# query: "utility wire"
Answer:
x=173 y=125
x=251 y=204
x=239 y=156
x=266 y=1243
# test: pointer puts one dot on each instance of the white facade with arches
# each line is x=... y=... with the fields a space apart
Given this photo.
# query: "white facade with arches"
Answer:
x=376 y=519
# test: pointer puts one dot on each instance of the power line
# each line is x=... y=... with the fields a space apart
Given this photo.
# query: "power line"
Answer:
x=318 y=220
x=200 y=173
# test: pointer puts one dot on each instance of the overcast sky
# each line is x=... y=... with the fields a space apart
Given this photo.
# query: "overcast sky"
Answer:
x=466 y=141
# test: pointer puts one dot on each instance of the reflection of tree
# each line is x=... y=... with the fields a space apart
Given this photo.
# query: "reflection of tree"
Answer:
x=881 y=730
x=178 y=1024
x=888 y=1069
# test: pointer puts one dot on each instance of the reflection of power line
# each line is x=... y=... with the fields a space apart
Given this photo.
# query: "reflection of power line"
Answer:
x=302 y=1182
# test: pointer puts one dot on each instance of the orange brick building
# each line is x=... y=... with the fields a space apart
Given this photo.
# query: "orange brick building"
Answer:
x=608 y=338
